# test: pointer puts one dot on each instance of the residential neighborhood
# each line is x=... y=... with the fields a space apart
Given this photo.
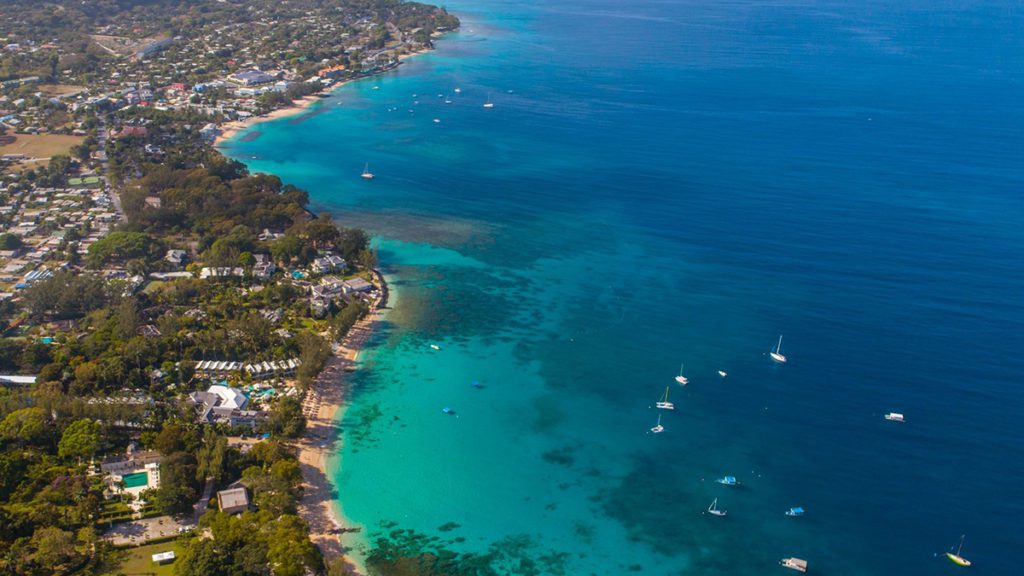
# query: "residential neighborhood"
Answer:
x=165 y=313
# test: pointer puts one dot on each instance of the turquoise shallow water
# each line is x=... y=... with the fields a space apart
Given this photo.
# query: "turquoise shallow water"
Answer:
x=679 y=181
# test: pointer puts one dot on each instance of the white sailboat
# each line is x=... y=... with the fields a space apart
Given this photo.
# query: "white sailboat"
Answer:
x=658 y=428
x=713 y=509
x=957 y=558
x=367 y=175
x=664 y=404
x=722 y=373
x=488 y=103
x=682 y=379
x=777 y=353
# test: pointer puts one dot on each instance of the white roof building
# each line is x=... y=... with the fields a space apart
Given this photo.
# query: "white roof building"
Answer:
x=229 y=397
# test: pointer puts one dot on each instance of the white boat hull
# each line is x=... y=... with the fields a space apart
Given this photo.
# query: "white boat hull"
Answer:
x=666 y=405
x=778 y=357
x=682 y=380
x=658 y=429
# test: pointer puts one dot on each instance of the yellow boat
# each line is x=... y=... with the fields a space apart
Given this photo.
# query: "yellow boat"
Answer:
x=957 y=558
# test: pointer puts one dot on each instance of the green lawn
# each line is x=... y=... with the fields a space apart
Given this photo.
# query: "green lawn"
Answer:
x=139 y=561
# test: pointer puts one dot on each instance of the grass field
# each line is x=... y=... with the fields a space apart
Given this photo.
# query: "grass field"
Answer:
x=41 y=145
x=139 y=561
x=59 y=89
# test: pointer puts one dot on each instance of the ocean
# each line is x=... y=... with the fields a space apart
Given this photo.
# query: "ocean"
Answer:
x=664 y=182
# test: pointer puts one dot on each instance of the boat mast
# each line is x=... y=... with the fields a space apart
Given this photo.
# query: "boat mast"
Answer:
x=778 y=347
x=961 y=546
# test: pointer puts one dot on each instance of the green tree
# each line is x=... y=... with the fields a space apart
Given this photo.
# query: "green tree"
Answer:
x=286 y=418
x=25 y=426
x=54 y=548
x=80 y=440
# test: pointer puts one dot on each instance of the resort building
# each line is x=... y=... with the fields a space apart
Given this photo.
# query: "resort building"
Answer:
x=251 y=77
x=133 y=474
x=224 y=405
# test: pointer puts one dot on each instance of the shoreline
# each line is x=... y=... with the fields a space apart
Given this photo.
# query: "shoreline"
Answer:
x=324 y=407
x=327 y=399
x=228 y=130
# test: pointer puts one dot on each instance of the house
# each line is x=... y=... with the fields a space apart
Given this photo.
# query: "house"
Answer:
x=209 y=132
x=130 y=131
x=331 y=71
x=328 y=263
x=233 y=501
x=176 y=257
x=264 y=270
x=358 y=285
x=15 y=379
x=221 y=272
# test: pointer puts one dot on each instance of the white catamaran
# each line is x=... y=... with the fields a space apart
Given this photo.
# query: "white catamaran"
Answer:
x=682 y=379
x=777 y=353
x=664 y=404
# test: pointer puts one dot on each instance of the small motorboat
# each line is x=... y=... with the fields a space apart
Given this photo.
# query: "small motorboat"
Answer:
x=476 y=384
x=437 y=120
x=794 y=564
x=435 y=346
x=722 y=373
x=728 y=480
x=795 y=511
x=448 y=411
x=713 y=509
x=894 y=417
x=457 y=90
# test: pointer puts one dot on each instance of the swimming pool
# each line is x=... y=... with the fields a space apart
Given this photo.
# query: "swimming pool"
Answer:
x=135 y=480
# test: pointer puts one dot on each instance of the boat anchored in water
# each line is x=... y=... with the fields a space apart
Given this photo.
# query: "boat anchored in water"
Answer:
x=713 y=509
x=795 y=511
x=777 y=353
x=488 y=103
x=366 y=175
x=728 y=480
x=794 y=564
x=957 y=558
x=682 y=379
x=664 y=404
x=722 y=373
x=658 y=428
x=894 y=417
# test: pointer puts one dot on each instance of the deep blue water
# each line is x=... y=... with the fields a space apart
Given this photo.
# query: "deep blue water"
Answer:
x=684 y=181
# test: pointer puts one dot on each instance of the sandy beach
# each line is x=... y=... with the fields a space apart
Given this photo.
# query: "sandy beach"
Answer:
x=324 y=407
x=228 y=130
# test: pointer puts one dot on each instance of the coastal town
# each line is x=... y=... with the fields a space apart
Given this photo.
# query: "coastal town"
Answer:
x=175 y=328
